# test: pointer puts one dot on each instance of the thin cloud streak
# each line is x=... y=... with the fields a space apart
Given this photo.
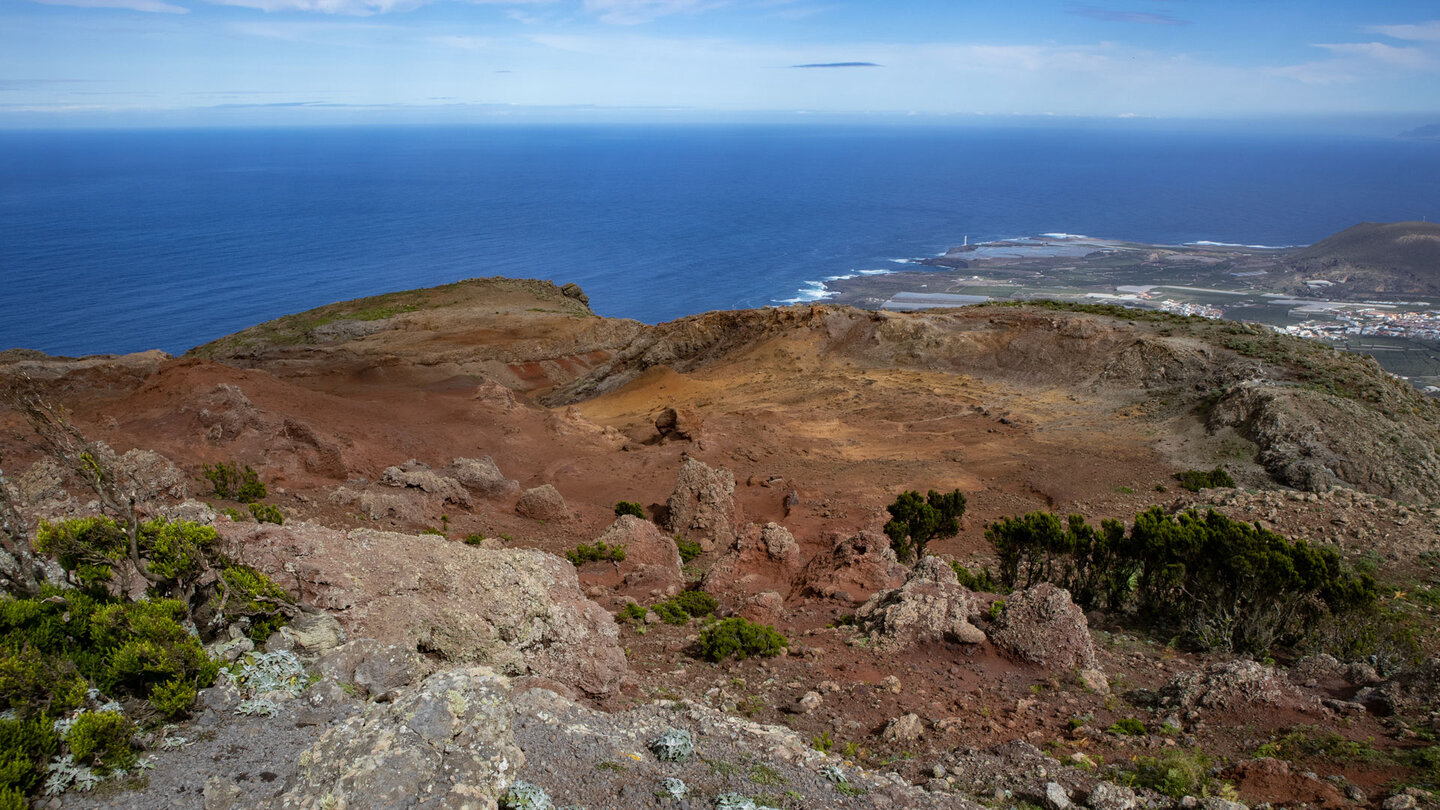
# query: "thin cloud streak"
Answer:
x=1140 y=17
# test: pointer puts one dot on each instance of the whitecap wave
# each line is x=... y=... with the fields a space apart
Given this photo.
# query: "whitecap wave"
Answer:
x=877 y=272
x=1208 y=243
x=1065 y=235
x=811 y=292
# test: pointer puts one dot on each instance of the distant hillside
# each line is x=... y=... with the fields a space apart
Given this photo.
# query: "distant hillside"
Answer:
x=1375 y=258
x=1427 y=131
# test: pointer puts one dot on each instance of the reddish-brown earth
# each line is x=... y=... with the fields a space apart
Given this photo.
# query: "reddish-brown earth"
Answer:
x=822 y=415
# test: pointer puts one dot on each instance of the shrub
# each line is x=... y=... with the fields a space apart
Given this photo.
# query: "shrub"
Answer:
x=1127 y=726
x=1219 y=582
x=984 y=581
x=695 y=603
x=244 y=593
x=1196 y=480
x=522 y=795
x=675 y=745
x=474 y=539
x=914 y=521
x=26 y=746
x=174 y=697
x=231 y=481
x=741 y=638
x=629 y=508
x=689 y=549
x=1176 y=774
x=269 y=513
x=584 y=553
x=101 y=739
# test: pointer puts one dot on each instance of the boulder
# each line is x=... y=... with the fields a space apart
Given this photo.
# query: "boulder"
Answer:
x=308 y=636
x=1043 y=626
x=854 y=569
x=373 y=668
x=543 y=503
x=760 y=559
x=767 y=607
x=905 y=728
x=446 y=743
x=1411 y=691
x=1233 y=685
x=1057 y=797
x=678 y=425
x=483 y=477
x=652 y=560
x=418 y=475
x=931 y=606
x=702 y=507
x=572 y=290
x=1110 y=796
x=518 y=610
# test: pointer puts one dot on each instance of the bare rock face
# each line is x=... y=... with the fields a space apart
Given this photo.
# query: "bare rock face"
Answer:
x=652 y=560
x=678 y=425
x=1233 y=685
x=1412 y=691
x=483 y=477
x=418 y=475
x=308 y=636
x=447 y=743
x=572 y=290
x=857 y=567
x=932 y=605
x=1043 y=626
x=518 y=611
x=382 y=503
x=543 y=503
x=905 y=728
x=376 y=669
x=767 y=607
x=702 y=507
x=760 y=559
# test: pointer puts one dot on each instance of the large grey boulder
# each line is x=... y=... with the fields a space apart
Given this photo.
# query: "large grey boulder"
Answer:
x=519 y=611
x=702 y=507
x=418 y=475
x=652 y=560
x=931 y=606
x=483 y=476
x=543 y=503
x=446 y=744
x=1043 y=626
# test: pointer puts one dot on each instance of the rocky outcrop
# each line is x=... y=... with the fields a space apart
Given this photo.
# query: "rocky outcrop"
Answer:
x=1412 y=691
x=447 y=743
x=418 y=475
x=652 y=560
x=702 y=507
x=1313 y=440
x=681 y=424
x=854 y=569
x=483 y=477
x=1232 y=686
x=518 y=611
x=374 y=669
x=931 y=606
x=1043 y=626
x=762 y=558
x=543 y=503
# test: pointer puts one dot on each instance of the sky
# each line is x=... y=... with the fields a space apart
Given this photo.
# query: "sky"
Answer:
x=282 y=62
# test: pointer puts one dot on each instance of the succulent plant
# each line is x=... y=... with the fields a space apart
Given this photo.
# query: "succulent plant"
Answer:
x=675 y=745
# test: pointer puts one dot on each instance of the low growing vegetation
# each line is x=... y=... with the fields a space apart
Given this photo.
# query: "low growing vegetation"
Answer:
x=740 y=638
x=1196 y=480
x=235 y=482
x=1218 y=582
x=629 y=508
x=601 y=551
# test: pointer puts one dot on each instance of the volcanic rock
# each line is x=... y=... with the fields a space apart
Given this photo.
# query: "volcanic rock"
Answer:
x=931 y=606
x=1041 y=625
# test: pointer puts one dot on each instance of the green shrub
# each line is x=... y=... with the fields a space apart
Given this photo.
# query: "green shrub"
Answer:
x=584 y=553
x=26 y=746
x=13 y=799
x=740 y=638
x=231 y=481
x=1218 y=582
x=101 y=739
x=914 y=521
x=269 y=513
x=695 y=603
x=246 y=593
x=174 y=697
x=629 y=508
x=983 y=581
x=689 y=549
x=1176 y=774
x=474 y=539
x=1196 y=480
x=1127 y=726
x=634 y=613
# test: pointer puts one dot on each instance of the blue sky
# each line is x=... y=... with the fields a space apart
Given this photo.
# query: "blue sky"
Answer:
x=197 y=62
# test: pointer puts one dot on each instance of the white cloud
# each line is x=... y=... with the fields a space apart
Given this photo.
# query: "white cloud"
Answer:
x=349 y=7
x=1418 y=32
x=157 y=6
x=633 y=12
x=1414 y=58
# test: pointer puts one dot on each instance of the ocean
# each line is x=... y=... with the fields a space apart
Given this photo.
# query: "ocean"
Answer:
x=120 y=241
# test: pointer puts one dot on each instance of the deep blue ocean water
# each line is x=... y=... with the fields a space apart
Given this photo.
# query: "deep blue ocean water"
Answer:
x=121 y=241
